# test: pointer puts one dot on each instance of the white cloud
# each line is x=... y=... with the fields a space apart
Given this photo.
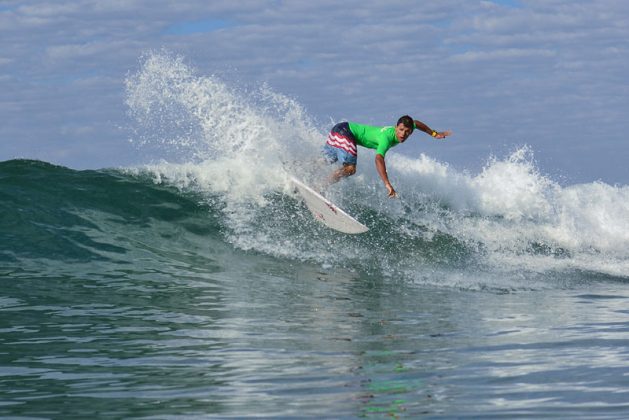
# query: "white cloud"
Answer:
x=50 y=10
x=494 y=73
x=509 y=53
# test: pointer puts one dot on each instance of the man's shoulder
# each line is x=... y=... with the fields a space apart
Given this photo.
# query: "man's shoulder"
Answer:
x=388 y=133
x=362 y=126
x=369 y=126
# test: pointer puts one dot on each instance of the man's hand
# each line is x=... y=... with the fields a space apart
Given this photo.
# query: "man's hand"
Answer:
x=392 y=193
x=443 y=134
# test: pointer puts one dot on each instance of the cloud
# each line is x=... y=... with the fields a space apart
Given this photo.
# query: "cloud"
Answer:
x=509 y=53
x=500 y=73
x=201 y=26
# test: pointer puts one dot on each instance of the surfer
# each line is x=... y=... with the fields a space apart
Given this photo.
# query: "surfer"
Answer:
x=344 y=136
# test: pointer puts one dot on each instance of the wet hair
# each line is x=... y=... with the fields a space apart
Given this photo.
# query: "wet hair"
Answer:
x=407 y=122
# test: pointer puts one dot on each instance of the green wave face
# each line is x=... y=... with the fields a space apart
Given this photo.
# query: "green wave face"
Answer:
x=56 y=213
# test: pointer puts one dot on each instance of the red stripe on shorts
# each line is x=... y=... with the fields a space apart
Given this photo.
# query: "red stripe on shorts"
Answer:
x=342 y=142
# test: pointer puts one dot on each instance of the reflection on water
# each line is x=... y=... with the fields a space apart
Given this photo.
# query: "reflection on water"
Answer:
x=262 y=338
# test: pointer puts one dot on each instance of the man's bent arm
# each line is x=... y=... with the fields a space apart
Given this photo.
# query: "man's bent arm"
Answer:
x=423 y=127
x=420 y=125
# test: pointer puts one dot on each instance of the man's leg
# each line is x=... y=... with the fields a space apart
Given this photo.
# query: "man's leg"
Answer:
x=345 y=171
x=341 y=147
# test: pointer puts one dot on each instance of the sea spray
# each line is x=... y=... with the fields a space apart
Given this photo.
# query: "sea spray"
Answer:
x=222 y=141
x=523 y=219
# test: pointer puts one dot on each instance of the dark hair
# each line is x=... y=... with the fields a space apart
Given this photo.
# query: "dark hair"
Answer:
x=407 y=122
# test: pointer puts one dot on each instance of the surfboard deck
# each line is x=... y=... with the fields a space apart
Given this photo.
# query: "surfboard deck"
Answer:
x=327 y=212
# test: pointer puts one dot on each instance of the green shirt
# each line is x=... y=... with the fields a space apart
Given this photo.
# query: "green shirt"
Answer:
x=379 y=138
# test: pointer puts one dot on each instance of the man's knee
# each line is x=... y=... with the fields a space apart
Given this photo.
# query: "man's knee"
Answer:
x=349 y=170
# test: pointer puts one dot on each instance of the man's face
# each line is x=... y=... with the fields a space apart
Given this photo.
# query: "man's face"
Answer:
x=402 y=132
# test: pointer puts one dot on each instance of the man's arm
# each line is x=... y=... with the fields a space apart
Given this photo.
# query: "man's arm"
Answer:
x=436 y=134
x=381 y=167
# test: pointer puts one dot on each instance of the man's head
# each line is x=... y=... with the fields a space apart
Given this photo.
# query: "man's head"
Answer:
x=404 y=128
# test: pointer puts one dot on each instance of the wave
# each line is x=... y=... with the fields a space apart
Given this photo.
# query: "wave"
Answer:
x=444 y=236
x=221 y=158
x=509 y=215
x=55 y=213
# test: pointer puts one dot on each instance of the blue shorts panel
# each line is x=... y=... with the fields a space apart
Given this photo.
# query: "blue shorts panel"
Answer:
x=334 y=154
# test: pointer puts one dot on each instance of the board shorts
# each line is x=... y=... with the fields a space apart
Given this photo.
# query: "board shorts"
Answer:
x=341 y=145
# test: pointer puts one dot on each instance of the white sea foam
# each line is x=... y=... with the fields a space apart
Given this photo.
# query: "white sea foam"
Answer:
x=238 y=144
x=523 y=219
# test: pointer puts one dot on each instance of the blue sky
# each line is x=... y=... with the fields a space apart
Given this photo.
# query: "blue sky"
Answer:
x=551 y=74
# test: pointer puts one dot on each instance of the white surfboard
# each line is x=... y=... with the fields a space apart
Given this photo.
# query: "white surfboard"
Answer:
x=327 y=212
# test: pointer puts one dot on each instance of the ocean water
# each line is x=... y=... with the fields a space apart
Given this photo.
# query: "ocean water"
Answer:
x=199 y=286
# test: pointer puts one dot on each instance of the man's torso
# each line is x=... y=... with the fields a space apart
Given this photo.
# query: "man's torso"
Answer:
x=374 y=137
